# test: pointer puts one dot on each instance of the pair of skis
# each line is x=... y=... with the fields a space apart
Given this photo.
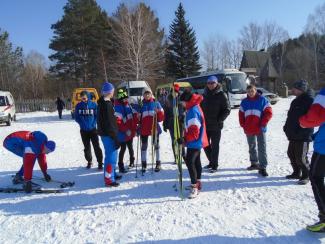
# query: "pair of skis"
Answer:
x=177 y=147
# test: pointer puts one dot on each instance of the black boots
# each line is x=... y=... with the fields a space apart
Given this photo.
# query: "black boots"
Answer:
x=158 y=166
x=89 y=164
x=28 y=186
x=121 y=168
x=144 y=166
x=131 y=165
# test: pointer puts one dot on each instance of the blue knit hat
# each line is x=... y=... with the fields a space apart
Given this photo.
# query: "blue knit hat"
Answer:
x=50 y=146
x=212 y=78
x=107 y=88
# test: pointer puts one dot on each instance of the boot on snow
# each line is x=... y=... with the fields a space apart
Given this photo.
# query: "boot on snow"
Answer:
x=294 y=175
x=158 y=166
x=121 y=168
x=253 y=166
x=317 y=227
x=112 y=184
x=143 y=166
x=194 y=191
x=100 y=166
x=17 y=179
x=28 y=186
x=131 y=165
x=89 y=164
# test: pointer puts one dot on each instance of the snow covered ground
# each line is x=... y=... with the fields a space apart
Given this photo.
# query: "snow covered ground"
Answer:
x=235 y=206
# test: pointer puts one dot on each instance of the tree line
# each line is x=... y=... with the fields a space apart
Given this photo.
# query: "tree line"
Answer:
x=89 y=46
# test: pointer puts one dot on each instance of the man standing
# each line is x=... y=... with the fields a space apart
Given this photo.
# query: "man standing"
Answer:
x=60 y=106
x=314 y=118
x=86 y=114
x=254 y=114
x=216 y=109
x=298 y=137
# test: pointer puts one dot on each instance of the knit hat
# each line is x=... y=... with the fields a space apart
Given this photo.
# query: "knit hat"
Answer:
x=212 y=79
x=176 y=88
x=122 y=94
x=146 y=89
x=107 y=88
x=301 y=85
x=49 y=146
x=186 y=96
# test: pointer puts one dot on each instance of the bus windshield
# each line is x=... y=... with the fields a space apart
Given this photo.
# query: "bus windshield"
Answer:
x=238 y=83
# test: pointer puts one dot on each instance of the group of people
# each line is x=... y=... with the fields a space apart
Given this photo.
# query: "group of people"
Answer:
x=201 y=119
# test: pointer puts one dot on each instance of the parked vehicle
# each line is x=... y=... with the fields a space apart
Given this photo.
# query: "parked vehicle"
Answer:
x=168 y=86
x=134 y=89
x=273 y=98
x=7 y=108
x=76 y=97
x=234 y=83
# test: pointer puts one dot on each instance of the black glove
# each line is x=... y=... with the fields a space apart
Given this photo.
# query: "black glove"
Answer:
x=180 y=141
x=47 y=177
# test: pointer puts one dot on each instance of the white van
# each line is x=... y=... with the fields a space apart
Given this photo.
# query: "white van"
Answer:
x=7 y=108
x=135 y=89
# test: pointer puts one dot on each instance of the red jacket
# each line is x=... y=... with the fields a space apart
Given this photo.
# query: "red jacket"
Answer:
x=147 y=113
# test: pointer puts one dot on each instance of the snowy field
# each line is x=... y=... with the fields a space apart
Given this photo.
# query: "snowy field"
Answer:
x=235 y=205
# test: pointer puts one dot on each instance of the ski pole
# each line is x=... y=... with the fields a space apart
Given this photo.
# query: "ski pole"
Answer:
x=136 y=162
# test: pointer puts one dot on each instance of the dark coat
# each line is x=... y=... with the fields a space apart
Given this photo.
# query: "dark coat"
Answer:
x=106 y=120
x=298 y=107
x=59 y=104
x=216 y=108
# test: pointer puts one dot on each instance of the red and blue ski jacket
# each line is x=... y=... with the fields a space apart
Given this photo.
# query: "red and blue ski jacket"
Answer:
x=146 y=116
x=30 y=146
x=316 y=117
x=126 y=119
x=254 y=113
x=195 y=132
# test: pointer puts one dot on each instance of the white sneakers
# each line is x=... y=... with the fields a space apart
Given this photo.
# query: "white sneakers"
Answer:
x=194 y=191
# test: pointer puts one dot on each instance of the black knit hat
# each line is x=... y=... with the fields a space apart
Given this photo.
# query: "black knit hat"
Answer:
x=301 y=85
x=186 y=96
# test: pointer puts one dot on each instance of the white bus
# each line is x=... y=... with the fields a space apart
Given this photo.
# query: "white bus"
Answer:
x=234 y=83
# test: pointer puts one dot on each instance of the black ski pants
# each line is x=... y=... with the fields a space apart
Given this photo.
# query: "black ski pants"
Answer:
x=317 y=174
x=193 y=163
x=91 y=136
x=60 y=113
x=129 y=145
x=297 y=153
x=212 y=150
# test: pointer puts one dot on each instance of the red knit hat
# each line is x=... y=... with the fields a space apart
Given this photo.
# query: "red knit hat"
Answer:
x=176 y=88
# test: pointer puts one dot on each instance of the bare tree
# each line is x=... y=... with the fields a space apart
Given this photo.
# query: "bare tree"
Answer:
x=140 y=53
x=273 y=33
x=211 y=52
x=34 y=74
x=251 y=36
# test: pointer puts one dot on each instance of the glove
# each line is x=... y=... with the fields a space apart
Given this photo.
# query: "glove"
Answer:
x=180 y=141
x=264 y=129
x=47 y=177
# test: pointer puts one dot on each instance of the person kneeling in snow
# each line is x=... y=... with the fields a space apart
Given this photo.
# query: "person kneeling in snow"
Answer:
x=30 y=146
x=195 y=138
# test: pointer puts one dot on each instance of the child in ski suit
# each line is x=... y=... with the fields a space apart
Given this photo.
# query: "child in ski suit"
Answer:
x=316 y=117
x=127 y=120
x=30 y=146
x=149 y=109
x=107 y=129
x=195 y=138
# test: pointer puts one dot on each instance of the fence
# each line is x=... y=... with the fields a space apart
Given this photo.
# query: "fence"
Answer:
x=31 y=105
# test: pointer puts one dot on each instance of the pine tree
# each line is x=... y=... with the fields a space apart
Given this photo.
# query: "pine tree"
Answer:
x=82 y=42
x=182 y=56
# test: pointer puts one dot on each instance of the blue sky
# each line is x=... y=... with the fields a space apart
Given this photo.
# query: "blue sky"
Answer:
x=29 y=22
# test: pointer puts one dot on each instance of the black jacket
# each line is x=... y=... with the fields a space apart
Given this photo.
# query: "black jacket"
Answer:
x=59 y=104
x=106 y=120
x=298 y=107
x=216 y=108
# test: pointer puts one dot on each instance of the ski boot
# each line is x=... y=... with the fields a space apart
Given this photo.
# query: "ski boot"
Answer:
x=213 y=169
x=317 y=227
x=194 y=191
x=47 y=177
x=158 y=166
x=131 y=165
x=100 y=166
x=144 y=166
x=89 y=164
x=112 y=184
x=17 y=179
x=303 y=180
x=28 y=186
x=121 y=168
x=253 y=166
x=209 y=166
